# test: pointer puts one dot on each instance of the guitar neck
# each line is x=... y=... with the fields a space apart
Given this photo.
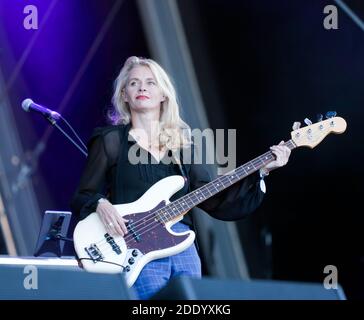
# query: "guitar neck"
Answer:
x=192 y=199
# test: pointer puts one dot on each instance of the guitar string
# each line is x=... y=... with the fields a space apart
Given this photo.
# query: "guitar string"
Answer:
x=224 y=179
x=208 y=186
x=149 y=223
x=290 y=143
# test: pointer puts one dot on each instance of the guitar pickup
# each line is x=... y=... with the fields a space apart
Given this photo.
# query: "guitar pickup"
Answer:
x=130 y=227
x=110 y=240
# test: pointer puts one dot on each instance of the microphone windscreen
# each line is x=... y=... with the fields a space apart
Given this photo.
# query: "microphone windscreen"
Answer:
x=26 y=104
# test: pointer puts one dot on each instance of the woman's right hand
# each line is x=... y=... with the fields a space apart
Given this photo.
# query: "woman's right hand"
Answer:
x=114 y=223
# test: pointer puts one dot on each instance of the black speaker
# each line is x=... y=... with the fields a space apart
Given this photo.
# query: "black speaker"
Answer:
x=52 y=279
x=183 y=288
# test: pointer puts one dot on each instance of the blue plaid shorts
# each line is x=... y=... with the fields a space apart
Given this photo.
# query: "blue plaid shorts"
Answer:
x=156 y=274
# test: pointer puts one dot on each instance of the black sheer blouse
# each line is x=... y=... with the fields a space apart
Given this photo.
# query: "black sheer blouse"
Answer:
x=109 y=174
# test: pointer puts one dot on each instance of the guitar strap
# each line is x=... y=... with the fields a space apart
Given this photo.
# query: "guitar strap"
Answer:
x=183 y=170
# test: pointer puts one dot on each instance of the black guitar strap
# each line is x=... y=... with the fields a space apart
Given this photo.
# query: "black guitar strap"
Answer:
x=183 y=170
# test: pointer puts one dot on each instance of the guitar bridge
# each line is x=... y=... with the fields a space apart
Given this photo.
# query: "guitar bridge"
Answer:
x=94 y=253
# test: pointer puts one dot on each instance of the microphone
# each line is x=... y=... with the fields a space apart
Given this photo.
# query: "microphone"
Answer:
x=29 y=105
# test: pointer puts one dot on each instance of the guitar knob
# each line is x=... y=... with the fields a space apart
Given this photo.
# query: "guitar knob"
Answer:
x=131 y=260
x=308 y=121
x=330 y=114
x=319 y=117
x=127 y=269
x=134 y=253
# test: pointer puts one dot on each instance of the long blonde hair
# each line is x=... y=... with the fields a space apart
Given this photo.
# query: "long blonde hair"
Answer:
x=174 y=133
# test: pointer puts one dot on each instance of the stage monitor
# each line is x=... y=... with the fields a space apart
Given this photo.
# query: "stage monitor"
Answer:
x=187 y=288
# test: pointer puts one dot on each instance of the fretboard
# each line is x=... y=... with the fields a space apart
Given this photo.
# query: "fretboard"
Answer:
x=184 y=204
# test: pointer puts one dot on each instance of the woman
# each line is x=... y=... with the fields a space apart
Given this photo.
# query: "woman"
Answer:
x=147 y=117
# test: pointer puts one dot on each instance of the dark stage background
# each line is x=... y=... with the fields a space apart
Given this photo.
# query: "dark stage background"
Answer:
x=261 y=65
x=274 y=63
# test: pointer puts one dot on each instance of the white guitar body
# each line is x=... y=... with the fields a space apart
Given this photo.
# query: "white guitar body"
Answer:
x=99 y=252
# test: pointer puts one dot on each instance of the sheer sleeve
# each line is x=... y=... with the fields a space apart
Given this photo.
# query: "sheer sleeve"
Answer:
x=235 y=202
x=93 y=179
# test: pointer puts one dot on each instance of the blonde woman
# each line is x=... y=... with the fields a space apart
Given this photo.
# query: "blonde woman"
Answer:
x=146 y=116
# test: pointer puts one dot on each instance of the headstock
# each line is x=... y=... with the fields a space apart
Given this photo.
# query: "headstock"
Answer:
x=311 y=135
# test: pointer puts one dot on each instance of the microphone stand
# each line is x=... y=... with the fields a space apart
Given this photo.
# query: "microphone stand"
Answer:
x=54 y=123
x=55 y=232
x=28 y=169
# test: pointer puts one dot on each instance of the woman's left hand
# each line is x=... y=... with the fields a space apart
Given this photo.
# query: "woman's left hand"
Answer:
x=281 y=153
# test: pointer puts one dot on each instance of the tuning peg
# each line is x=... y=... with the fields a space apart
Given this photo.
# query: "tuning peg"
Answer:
x=308 y=121
x=330 y=114
x=319 y=117
x=296 y=125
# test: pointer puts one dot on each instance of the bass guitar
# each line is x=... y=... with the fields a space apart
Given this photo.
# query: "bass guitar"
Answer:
x=151 y=217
